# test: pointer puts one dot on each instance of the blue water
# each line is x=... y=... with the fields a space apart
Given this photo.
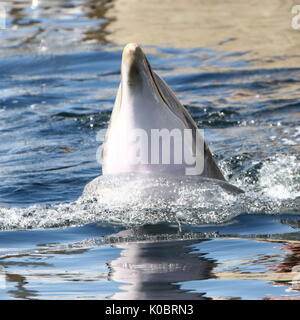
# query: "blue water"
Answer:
x=57 y=90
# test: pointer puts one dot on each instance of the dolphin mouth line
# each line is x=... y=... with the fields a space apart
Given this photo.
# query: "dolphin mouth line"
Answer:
x=156 y=85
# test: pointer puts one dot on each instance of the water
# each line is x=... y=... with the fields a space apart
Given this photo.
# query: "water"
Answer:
x=60 y=68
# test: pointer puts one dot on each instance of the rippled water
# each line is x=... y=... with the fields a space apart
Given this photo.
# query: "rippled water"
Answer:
x=60 y=68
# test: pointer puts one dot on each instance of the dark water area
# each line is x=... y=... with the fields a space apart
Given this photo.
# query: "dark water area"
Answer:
x=60 y=70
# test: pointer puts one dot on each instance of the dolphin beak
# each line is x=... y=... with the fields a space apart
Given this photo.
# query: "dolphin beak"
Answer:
x=135 y=67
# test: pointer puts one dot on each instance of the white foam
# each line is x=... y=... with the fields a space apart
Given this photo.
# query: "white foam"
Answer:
x=279 y=177
x=137 y=200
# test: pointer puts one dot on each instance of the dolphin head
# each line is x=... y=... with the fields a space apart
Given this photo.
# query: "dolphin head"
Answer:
x=145 y=103
x=138 y=81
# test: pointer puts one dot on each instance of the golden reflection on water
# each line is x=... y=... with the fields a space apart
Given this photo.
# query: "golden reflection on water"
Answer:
x=261 y=27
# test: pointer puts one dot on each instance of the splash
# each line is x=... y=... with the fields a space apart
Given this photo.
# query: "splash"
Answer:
x=280 y=178
x=132 y=200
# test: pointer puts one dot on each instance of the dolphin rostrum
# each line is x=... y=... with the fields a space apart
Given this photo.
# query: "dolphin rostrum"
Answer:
x=145 y=106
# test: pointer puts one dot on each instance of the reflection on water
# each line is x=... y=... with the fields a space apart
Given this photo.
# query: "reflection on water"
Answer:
x=98 y=10
x=53 y=27
x=223 y=267
x=20 y=291
x=288 y=269
x=152 y=270
x=260 y=29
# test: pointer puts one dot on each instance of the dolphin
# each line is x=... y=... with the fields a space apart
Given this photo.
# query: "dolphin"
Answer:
x=145 y=104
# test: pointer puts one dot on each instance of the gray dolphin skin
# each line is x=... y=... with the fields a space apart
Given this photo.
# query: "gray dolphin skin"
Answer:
x=144 y=103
